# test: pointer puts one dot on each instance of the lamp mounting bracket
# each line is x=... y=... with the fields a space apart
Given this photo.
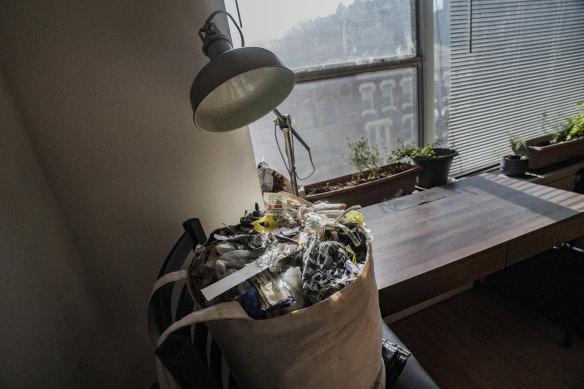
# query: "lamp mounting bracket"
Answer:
x=209 y=33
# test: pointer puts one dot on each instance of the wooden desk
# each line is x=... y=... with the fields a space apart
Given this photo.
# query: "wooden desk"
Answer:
x=478 y=226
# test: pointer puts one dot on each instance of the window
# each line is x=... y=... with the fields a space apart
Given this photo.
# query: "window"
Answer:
x=407 y=95
x=356 y=63
x=367 y=105
x=407 y=130
x=379 y=132
x=500 y=67
x=387 y=87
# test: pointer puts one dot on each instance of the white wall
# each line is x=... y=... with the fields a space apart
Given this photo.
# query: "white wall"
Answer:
x=53 y=329
x=102 y=89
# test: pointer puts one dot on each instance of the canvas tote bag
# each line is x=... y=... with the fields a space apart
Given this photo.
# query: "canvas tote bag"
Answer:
x=335 y=343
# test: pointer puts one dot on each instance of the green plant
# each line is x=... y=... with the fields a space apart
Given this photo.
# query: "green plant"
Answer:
x=575 y=126
x=572 y=128
x=551 y=126
x=406 y=153
x=364 y=158
x=517 y=143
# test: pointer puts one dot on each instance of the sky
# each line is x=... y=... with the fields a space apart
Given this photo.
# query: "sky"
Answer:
x=271 y=19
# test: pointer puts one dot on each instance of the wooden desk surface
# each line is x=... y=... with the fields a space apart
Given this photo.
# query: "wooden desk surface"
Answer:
x=477 y=226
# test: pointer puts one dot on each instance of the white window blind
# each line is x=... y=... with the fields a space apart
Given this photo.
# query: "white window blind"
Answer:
x=510 y=63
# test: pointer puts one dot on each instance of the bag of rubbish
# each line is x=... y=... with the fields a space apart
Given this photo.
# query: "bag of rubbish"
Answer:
x=333 y=342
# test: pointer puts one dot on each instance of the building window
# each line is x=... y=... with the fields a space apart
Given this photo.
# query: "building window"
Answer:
x=387 y=87
x=379 y=133
x=407 y=95
x=367 y=103
x=406 y=130
x=348 y=57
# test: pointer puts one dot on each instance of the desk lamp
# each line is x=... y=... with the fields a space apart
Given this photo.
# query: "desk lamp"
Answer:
x=239 y=86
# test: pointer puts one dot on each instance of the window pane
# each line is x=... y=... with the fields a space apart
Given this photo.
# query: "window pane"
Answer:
x=503 y=66
x=326 y=112
x=308 y=33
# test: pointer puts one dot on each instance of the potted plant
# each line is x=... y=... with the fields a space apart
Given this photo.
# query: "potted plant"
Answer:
x=565 y=143
x=518 y=145
x=516 y=165
x=372 y=181
x=435 y=161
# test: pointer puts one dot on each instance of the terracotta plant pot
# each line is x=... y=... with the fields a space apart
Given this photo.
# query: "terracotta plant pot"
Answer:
x=514 y=165
x=368 y=193
x=435 y=169
x=543 y=156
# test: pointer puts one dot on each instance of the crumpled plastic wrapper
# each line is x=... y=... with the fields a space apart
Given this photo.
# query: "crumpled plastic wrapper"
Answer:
x=326 y=270
x=271 y=180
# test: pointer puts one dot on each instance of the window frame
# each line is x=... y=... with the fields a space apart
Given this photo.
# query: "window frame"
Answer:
x=417 y=62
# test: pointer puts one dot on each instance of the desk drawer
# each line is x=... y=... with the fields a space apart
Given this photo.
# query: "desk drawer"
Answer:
x=564 y=183
x=544 y=239
x=433 y=283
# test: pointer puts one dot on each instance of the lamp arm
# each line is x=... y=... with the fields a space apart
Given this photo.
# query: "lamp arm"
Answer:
x=284 y=122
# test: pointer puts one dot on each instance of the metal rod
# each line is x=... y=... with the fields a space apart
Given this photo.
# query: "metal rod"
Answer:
x=283 y=119
x=290 y=153
x=285 y=124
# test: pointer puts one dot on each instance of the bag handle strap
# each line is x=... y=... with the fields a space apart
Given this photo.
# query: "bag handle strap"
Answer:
x=228 y=310
x=153 y=330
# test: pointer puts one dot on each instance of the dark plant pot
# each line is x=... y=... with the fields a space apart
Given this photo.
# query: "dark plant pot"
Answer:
x=370 y=192
x=435 y=169
x=547 y=155
x=514 y=166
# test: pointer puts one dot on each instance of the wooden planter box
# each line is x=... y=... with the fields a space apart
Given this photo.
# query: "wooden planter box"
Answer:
x=370 y=192
x=543 y=156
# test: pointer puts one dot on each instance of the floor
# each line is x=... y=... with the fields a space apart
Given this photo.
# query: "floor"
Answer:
x=551 y=284
x=478 y=339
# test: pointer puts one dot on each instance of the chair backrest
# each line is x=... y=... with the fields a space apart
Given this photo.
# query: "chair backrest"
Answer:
x=175 y=260
x=183 y=355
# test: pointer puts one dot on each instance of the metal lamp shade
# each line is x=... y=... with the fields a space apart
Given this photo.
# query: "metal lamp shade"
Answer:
x=238 y=87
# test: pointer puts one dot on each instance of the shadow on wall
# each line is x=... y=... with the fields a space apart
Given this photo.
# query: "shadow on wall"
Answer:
x=102 y=92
